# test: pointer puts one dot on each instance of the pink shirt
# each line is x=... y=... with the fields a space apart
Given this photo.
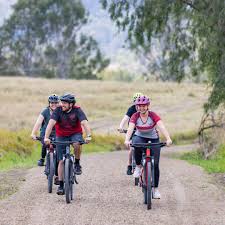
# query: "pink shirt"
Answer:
x=146 y=129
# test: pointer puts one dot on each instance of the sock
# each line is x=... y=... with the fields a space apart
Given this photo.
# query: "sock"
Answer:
x=61 y=183
x=77 y=161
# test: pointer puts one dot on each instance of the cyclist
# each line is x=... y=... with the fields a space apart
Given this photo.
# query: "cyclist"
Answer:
x=68 y=120
x=42 y=122
x=131 y=110
x=146 y=123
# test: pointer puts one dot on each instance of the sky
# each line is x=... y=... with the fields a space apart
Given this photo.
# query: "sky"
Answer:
x=111 y=42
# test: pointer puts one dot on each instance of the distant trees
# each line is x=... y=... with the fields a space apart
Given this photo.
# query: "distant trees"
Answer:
x=44 y=38
x=191 y=34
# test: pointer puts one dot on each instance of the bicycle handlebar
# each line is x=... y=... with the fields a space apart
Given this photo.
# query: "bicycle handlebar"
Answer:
x=161 y=144
x=123 y=131
x=67 y=142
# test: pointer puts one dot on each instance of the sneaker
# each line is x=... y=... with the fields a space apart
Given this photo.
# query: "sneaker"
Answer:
x=41 y=162
x=77 y=169
x=56 y=181
x=156 y=194
x=137 y=172
x=129 y=170
x=60 y=191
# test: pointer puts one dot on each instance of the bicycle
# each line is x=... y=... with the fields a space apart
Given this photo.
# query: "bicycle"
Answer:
x=51 y=163
x=69 y=174
x=147 y=180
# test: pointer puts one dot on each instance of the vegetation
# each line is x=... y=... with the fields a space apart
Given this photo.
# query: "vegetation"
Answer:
x=190 y=34
x=18 y=150
x=44 y=38
x=216 y=164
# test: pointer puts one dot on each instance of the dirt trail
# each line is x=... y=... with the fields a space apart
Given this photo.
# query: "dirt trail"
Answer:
x=106 y=196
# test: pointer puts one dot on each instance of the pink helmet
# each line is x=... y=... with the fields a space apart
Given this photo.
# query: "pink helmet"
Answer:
x=142 y=100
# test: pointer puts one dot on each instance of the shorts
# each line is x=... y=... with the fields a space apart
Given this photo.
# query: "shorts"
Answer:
x=61 y=149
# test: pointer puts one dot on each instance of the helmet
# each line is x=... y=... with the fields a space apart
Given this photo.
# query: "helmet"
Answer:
x=142 y=100
x=53 y=98
x=68 y=98
x=136 y=95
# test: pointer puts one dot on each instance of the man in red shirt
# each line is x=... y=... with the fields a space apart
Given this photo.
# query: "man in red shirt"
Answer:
x=68 y=120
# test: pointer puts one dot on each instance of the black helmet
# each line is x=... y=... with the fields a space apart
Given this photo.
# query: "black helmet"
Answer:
x=53 y=98
x=68 y=98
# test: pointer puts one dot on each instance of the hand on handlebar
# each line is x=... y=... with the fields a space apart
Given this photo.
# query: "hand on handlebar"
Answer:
x=87 y=139
x=168 y=142
x=33 y=136
x=47 y=141
x=127 y=143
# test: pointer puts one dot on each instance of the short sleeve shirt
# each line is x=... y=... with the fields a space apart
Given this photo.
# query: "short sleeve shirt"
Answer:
x=68 y=123
x=147 y=129
x=131 y=111
x=46 y=114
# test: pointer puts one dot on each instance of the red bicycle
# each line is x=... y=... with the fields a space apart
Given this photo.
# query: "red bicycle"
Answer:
x=147 y=180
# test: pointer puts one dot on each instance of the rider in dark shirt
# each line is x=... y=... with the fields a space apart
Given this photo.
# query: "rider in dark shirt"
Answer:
x=131 y=110
x=68 y=120
x=42 y=122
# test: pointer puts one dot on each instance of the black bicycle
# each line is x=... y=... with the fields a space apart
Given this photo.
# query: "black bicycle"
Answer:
x=147 y=181
x=69 y=174
x=51 y=163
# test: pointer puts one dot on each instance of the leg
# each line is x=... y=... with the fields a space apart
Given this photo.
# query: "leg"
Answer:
x=43 y=154
x=129 y=167
x=60 y=150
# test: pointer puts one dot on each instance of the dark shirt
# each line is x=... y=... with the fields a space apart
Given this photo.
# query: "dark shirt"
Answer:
x=46 y=114
x=68 y=123
x=131 y=111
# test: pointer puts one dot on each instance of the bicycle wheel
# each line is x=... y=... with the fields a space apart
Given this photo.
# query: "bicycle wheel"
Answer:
x=71 y=180
x=149 y=186
x=51 y=171
x=67 y=180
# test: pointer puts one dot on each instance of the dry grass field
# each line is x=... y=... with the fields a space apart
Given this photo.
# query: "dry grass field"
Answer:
x=105 y=102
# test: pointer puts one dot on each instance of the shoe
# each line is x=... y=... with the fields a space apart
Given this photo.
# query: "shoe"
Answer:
x=60 y=191
x=137 y=172
x=156 y=194
x=77 y=169
x=41 y=162
x=56 y=181
x=129 y=170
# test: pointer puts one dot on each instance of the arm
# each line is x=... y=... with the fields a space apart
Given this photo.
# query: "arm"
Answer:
x=85 y=126
x=123 y=122
x=37 y=126
x=160 y=125
x=129 y=134
x=48 y=131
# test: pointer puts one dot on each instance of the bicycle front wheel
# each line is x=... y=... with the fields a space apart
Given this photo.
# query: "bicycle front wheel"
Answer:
x=67 y=180
x=149 y=185
x=51 y=171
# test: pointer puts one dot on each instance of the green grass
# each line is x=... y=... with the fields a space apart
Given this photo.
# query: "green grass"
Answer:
x=214 y=165
x=17 y=150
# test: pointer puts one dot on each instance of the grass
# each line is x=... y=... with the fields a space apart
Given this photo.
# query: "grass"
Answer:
x=17 y=150
x=214 y=165
x=184 y=138
x=103 y=101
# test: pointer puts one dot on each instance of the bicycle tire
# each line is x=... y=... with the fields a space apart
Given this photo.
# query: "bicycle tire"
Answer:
x=51 y=172
x=149 y=185
x=71 y=180
x=136 y=181
x=67 y=180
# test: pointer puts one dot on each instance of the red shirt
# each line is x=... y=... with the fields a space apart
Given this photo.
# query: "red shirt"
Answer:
x=68 y=123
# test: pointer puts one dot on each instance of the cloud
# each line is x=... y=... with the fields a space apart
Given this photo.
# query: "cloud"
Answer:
x=5 y=9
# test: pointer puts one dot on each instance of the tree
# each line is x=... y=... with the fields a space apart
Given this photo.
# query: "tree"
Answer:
x=44 y=38
x=191 y=33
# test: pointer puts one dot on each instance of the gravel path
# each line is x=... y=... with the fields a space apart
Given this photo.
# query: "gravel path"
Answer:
x=106 y=196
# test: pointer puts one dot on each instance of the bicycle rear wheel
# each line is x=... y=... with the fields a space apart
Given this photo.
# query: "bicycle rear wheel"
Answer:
x=149 y=185
x=51 y=171
x=67 y=180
